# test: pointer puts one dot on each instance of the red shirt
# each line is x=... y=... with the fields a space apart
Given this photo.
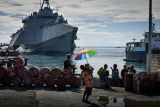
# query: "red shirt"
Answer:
x=133 y=71
x=123 y=72
x=88 y=79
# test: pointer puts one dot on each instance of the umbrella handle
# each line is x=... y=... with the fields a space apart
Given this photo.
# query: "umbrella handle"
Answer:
x=86 y=59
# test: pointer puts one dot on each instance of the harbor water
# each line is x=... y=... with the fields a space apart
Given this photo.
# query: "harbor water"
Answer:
x=105 y=55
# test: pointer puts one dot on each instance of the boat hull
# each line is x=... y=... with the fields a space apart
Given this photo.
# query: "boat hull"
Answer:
x=55 y=40
x=136 y=56
x=57 y=46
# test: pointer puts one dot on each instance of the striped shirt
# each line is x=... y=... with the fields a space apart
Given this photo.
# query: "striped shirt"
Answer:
x=88 y=79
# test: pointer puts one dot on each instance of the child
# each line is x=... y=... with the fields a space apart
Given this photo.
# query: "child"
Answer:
x=88 y=84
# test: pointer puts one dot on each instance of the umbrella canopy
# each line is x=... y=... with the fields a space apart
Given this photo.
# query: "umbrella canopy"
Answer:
x=85 y=54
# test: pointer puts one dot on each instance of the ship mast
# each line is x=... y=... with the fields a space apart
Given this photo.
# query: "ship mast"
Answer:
x=40 y=3
x=150 y=36
x=45 y=2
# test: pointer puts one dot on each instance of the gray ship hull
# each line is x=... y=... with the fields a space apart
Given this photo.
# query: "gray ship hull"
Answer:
x=55 y=43
x=136 y=56
x=56 y=46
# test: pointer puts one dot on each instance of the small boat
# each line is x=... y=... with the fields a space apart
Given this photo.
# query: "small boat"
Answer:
x=5 y=52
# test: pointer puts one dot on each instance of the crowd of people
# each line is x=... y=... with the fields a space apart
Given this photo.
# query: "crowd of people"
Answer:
x=103 y=72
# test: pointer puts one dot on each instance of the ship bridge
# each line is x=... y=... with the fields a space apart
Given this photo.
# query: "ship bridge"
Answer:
x=45 y=2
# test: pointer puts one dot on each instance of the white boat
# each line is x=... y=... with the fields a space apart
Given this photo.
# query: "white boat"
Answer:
x=137 y=51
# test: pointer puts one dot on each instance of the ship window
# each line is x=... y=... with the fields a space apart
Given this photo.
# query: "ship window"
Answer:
x=153 y=35
x=136 y=45
x=145 y=36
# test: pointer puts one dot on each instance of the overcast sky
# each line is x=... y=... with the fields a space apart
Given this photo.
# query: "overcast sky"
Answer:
x=100 y=22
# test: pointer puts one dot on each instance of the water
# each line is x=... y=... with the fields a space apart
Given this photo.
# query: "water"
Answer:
x=113 y=101
x=104 y=55
x=45 y=61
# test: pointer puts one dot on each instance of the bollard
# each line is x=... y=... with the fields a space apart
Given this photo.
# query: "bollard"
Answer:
x=129 y=82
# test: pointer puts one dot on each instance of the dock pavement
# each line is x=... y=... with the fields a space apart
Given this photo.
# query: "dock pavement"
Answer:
x=45 y=97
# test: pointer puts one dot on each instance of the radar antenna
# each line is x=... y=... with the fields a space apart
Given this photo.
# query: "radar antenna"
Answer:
x=134 y=39
x=45 y=2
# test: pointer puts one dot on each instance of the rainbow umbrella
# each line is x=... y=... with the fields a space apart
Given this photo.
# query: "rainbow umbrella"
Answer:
x=85 y=54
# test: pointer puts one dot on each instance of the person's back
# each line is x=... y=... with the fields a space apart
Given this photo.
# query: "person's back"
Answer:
x=88 y=79
x=124 y=71
x=115 y=74
x=132 y=70
x=67 y=62
x=88 y=85
x=89 y=69
x=103 y=72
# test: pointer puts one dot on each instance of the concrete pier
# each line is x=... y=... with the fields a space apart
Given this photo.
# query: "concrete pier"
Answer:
x=44 y=97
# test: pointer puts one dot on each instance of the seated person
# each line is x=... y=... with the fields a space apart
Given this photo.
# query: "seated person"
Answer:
x=103 y=75
x=103 y=72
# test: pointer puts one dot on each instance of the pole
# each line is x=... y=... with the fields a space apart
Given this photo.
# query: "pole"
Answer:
x=86 y=59
x=40 y=3
x=150 y=36
x=86 y=56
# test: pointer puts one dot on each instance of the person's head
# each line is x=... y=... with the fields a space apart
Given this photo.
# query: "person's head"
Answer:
x=132 y=67
x=128 y=68
x=68 y=56
x=105 y=66
x=82 y=67
x=86 y=66
x=124 y=66
x=115 y=66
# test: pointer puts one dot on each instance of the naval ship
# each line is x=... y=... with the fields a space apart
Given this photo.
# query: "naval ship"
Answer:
x=45 y=32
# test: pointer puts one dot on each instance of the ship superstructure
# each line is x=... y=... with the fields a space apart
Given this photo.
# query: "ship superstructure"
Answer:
x=45 y=32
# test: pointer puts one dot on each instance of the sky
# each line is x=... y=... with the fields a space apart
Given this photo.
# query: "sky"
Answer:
x=100 y=23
